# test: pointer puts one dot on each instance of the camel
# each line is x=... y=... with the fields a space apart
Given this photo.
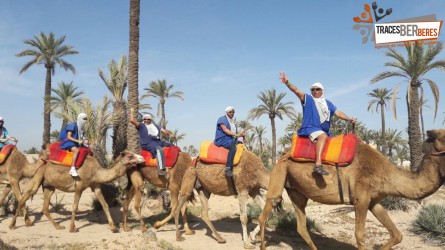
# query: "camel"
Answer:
x=136 y=185
x=365 y=182
x=15 y=168
x=53 y=176
x=250 y=176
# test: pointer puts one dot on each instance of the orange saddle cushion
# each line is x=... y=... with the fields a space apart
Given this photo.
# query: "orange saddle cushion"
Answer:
x=210 y=153
x=338 y=150
x=171 y=156
x=65 y=157
x=5 y=152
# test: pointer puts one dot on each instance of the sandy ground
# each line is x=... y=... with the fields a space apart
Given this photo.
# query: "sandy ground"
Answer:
x=336 y=223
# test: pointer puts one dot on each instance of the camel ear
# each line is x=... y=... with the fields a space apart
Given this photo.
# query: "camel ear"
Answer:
x=432 y=134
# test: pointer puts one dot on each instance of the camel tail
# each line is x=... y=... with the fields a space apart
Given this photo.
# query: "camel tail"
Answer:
x=279 y=207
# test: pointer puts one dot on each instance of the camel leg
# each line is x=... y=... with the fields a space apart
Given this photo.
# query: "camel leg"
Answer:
x=18 y=194
x=5 y=193
x=187 y=229
x=243 y=196
x=395 y=237
x=361 y=210
x=260 y=201
x=273 y=196
x=33 y=187
x=77 y=195
x=299 y=201
x=137 y=206
x=47 y=193
x=128 y=197
x=174 y=204
x=101 y=199
x=204 y=197
x=186 y=190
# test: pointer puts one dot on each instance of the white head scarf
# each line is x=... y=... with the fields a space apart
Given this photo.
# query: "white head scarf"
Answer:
x=321 y=104
x=81 y=124
x=231 y=120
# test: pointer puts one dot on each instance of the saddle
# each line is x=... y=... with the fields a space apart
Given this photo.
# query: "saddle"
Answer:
x=210 y=153
x=339 y=150
x=65 y=157
x=171 y=156
x=5 y=152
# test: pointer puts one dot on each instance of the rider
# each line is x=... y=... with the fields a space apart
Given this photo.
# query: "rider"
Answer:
x=4 y=137
x=74 y=139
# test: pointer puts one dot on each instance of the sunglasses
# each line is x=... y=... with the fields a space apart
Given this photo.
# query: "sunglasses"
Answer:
x=147 y=119
x=84 y=119
x=315 y=89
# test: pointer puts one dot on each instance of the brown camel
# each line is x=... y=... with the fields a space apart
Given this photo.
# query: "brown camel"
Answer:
x=15 y=168
x=250 y=176
x=369 y=179
x=136 y=186
x=53 y=176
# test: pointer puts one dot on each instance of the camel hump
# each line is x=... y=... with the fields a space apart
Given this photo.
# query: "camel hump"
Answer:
x=5 y=152
x=338 y=150
x=210 y=153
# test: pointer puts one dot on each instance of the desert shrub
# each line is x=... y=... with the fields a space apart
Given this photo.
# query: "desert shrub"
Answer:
x=167 y=245
x=395 y=203
x=285 y=221
x=151 y=190
x=9 y=204
x=57 y=205
x=253 y=211
x=430 y=224
x=111 y=194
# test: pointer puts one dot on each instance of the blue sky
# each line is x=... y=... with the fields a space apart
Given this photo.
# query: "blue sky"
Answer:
x=219 y=53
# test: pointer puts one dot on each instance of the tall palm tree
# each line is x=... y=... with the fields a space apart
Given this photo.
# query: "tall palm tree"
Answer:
x=394 y=139
x=64 y=96
x=176 y=137
x=259 y=132
x=49 y=51
x=272 y=106
x=162 y=91
x=423 y=105
x=295 y=124
x=133 y=71
x=418 y=62
x=117 y=84
x=380 y=99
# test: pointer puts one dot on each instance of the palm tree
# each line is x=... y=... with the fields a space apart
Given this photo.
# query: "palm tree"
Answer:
x=380 y=98
x=295 y=123
x=394 y=139
x=418 y=62
x=176 y=137
x=117 y=84
x=273 y=107
x=423 y=105
x=162 y=91
x=65 y=95
x=133 y=71
x=49 y=51
x=259 y=132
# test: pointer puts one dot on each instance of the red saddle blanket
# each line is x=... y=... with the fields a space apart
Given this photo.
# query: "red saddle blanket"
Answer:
x=5 y=152
x=171 y=156
x=338 y=150
x=210 y=153
x=65 y=157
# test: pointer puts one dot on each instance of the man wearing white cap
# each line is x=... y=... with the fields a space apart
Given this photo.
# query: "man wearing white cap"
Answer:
x=4 y=135
x=317 y=114
x=149 y=138
x=72 y=138
x=227 y=136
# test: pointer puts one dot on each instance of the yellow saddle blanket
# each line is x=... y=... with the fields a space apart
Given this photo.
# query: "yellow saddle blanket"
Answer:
x=210 y=153
x=5 y=152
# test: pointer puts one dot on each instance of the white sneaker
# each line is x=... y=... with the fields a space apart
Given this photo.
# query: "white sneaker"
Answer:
x=73 y=172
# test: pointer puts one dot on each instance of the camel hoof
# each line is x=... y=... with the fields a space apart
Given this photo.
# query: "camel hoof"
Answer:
x=190 y=232
x=180 y=238
x=28 y=223
x=114 y=229
x=157 y=225
x=73 y=230
x=221 y=241
x=126 y=229
x=144 y=229
x=12 y=227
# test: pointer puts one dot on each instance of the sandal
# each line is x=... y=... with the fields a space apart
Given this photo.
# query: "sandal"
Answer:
x=318 y=169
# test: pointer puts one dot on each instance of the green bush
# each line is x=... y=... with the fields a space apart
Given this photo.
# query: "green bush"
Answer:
x=395 y=203
x=253 y=211
x=430 y=224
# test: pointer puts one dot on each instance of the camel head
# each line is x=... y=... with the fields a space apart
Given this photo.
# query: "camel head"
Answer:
x=435 y=142
x=130 y=159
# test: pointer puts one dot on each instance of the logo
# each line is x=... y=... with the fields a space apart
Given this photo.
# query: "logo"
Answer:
x=396 y=33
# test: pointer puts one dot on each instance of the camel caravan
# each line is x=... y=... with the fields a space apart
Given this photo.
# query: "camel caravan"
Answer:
x=358 y=175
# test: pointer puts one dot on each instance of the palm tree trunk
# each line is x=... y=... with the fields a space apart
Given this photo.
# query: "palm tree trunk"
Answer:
x=119 y=128
x=274 y=140
x=46 y=108
x=422 y=124
x=383 y=130
x=164 y=122
x=133 y=71
x=415 y=138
